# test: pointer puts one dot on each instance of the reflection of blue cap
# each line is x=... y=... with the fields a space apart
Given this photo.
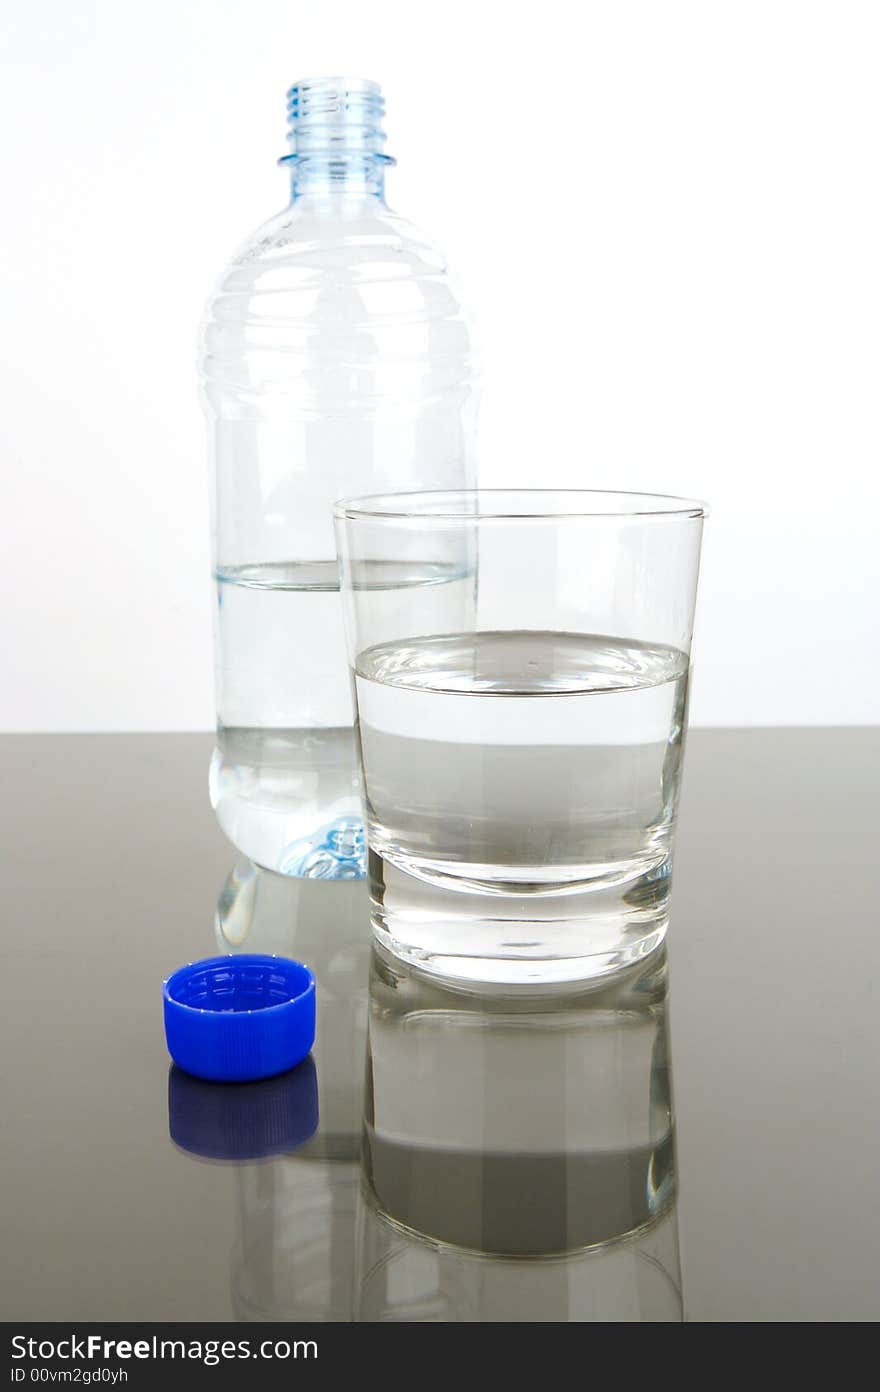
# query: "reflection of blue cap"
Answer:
x=243 y=1121
x=234 y=1019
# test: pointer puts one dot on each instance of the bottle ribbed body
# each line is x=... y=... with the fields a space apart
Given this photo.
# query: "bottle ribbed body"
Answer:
x=336 y=360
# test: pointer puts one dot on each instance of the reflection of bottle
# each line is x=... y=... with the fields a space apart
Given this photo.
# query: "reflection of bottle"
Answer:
x=519 y=1156
x=295 y=1246
x=327 y=926
x=336 y=361
x=295 y=1253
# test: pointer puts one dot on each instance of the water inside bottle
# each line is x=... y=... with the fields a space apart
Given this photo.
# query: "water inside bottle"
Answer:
x=284 y=780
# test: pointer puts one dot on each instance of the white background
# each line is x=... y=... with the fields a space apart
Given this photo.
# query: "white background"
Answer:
x=665 y=217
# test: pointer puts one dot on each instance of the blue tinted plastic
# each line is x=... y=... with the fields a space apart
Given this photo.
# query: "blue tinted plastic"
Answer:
x=336 y=852
x=336 y=118
x=238 y=1018
x=336 y=361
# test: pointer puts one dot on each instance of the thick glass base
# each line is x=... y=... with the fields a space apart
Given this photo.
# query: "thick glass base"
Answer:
x=528 y=941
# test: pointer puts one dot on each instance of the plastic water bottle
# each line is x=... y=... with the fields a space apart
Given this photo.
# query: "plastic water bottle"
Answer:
x=336 y=362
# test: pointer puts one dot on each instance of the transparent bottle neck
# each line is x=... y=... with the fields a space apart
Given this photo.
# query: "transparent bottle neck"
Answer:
x=337 y=175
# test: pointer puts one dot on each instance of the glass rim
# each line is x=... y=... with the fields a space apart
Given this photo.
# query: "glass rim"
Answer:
x=514 y=505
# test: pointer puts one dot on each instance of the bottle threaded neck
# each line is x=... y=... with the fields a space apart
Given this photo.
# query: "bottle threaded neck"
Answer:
x=335 y=118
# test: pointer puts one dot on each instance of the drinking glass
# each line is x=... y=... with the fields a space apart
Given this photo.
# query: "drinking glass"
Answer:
x=520 y=665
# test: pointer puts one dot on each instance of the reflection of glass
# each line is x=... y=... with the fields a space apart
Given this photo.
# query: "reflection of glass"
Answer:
x=294 y=1254
x=519 y=1155
x=521 y=752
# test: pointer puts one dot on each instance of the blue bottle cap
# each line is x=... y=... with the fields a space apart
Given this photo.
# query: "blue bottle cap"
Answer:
x=243 y=1121
x=234 y=1019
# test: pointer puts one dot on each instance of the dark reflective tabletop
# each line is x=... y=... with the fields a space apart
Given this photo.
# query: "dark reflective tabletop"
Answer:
x=442 y=1155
